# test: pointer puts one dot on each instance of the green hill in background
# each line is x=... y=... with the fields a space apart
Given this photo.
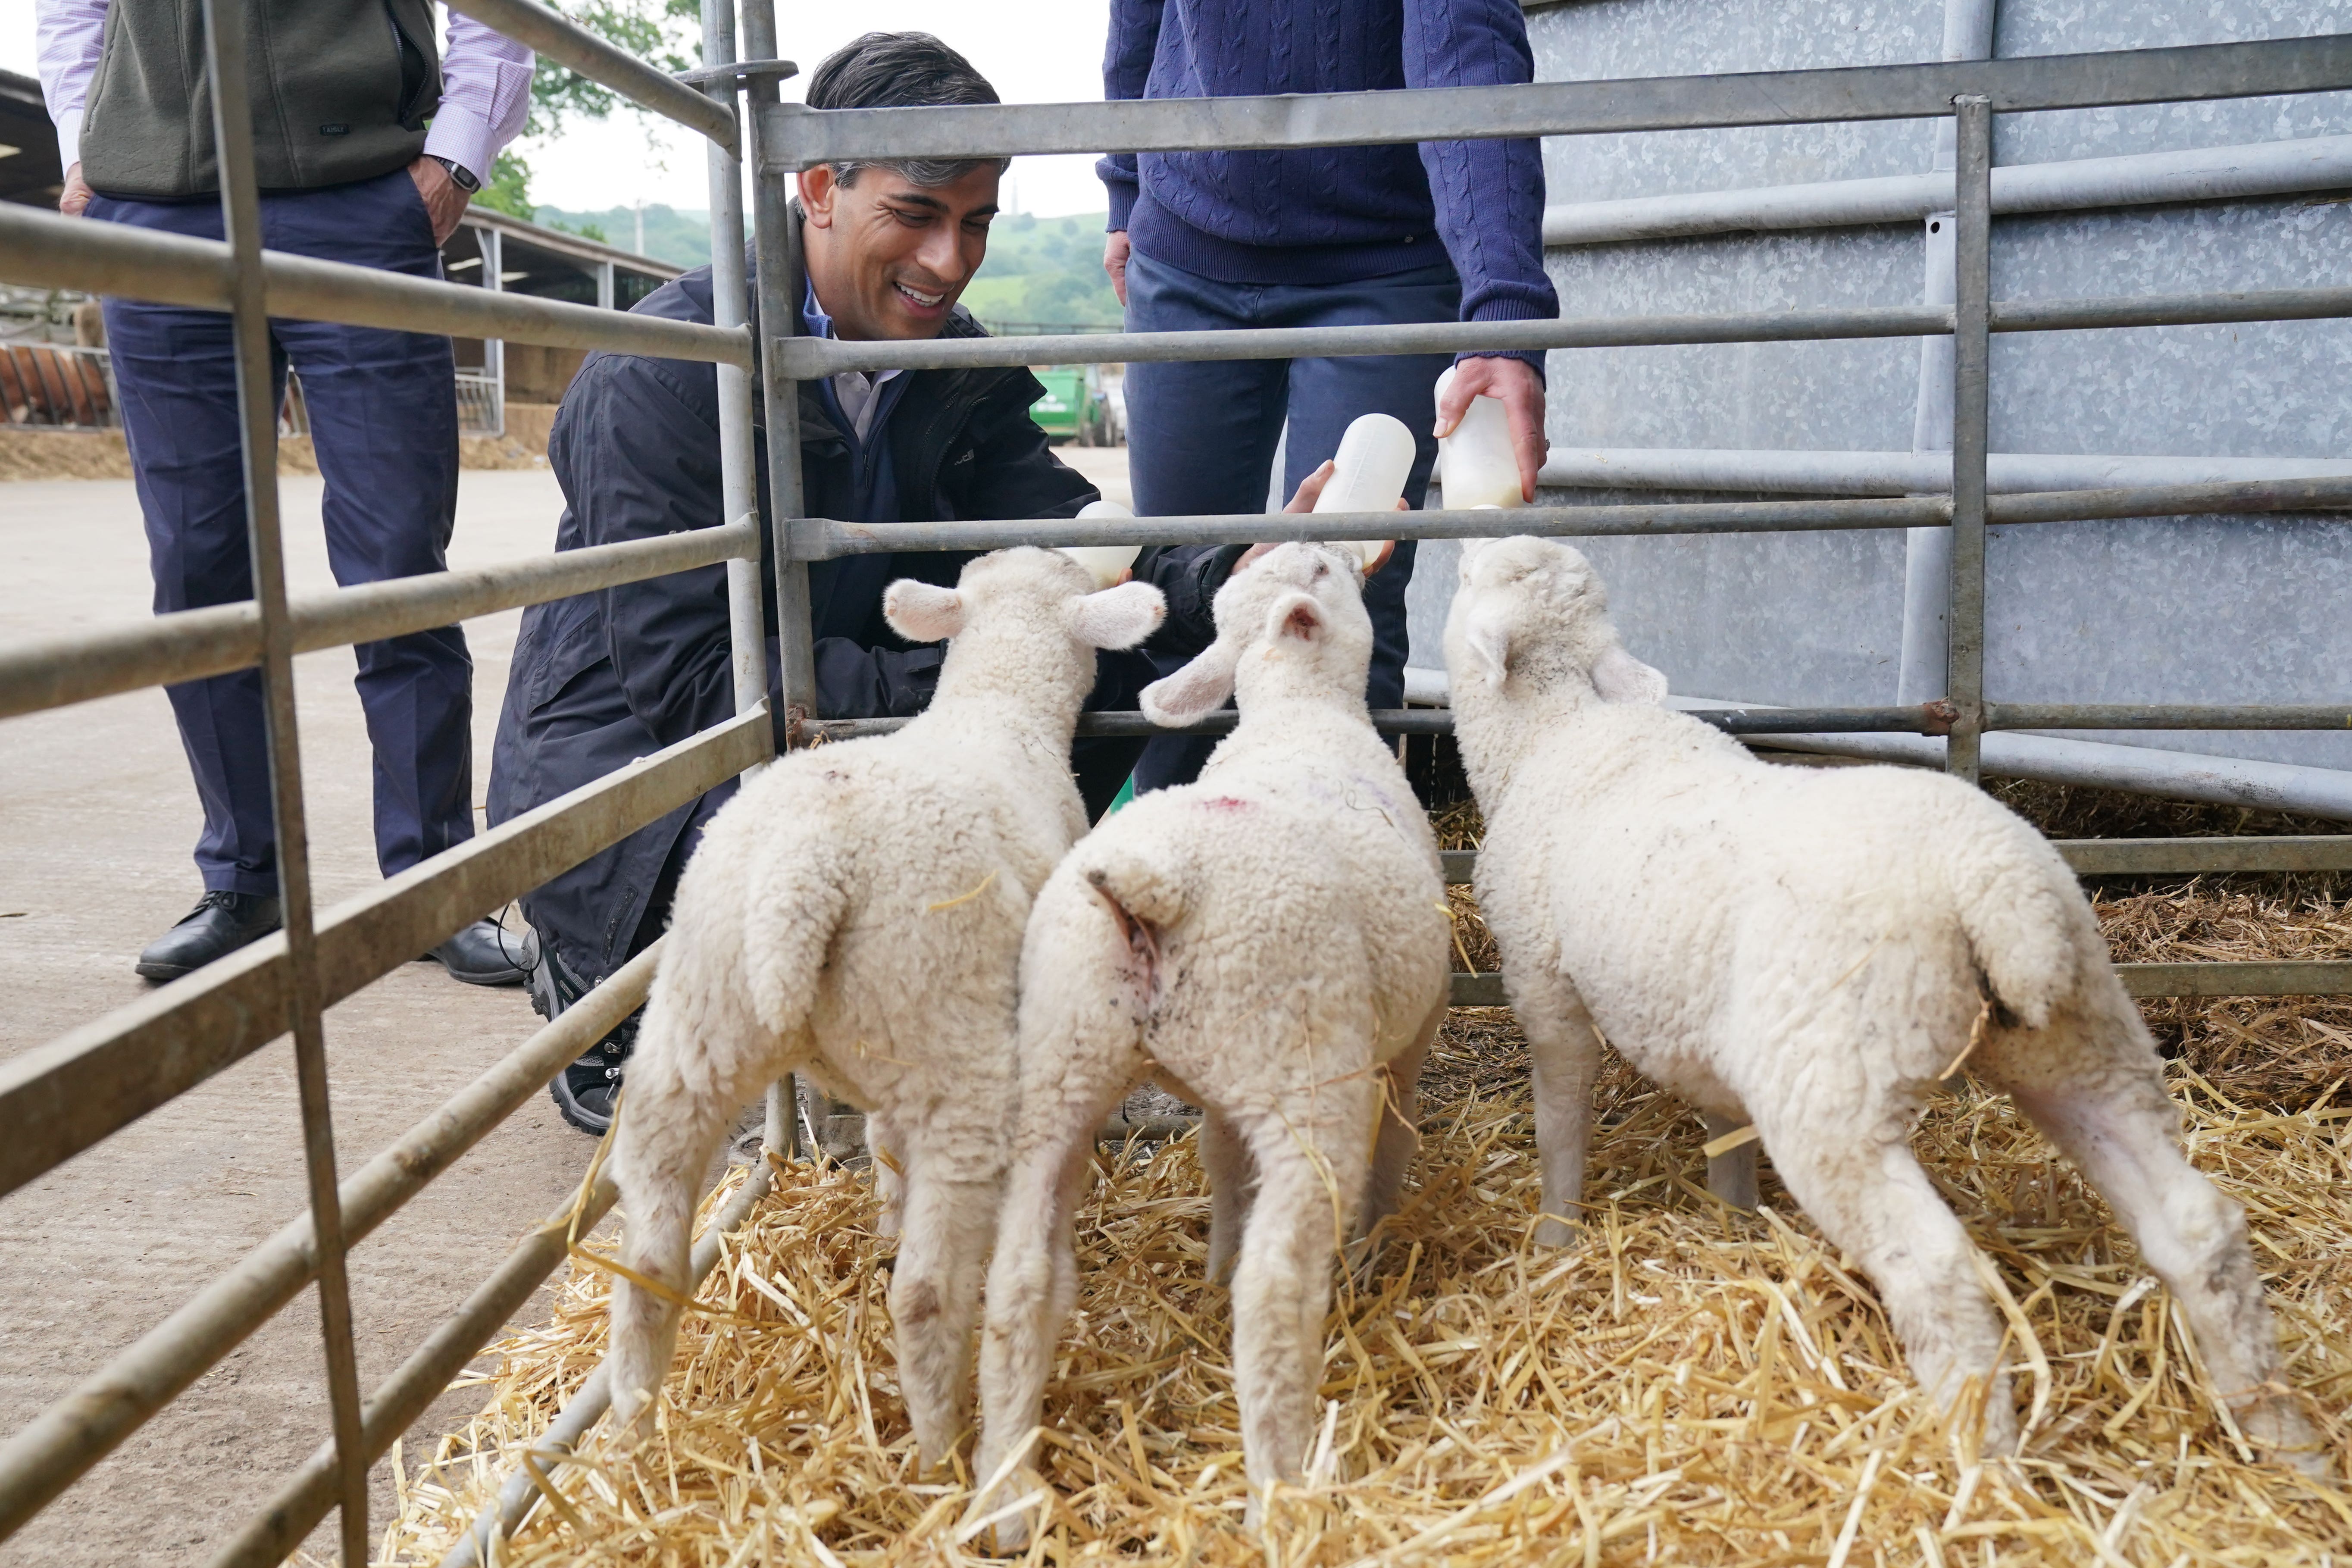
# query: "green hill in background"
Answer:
x=1045 y=271
x=679 y=237
x=1040 y=272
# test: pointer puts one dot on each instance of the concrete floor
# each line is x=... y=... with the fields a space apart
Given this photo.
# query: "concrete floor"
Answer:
x=97 y=816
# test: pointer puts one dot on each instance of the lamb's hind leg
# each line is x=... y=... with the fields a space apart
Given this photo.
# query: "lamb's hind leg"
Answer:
x=949 y=1217
x=1400 y=1134
x=1069 y=1081
x=1862 y=1185
x=1233 y=1188
x=1311 y=1174
x=698 y=1057
x=2093 y=1084
x=1564 y=1050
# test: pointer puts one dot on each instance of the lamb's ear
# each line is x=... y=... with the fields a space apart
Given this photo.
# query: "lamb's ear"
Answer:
x=1120 y=616
x=1619 y=677
x=1488 y=643
x=1295 y=616
x=919 y=612
x=1195 y=691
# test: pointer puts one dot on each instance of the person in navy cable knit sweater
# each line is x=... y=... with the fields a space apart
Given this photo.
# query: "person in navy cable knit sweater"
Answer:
x=1315 y=237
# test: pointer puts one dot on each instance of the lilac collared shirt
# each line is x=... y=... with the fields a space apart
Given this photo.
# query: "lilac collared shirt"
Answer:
x=485 y=83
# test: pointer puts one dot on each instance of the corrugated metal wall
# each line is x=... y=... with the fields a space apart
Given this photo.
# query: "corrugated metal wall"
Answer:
x=2207 y=609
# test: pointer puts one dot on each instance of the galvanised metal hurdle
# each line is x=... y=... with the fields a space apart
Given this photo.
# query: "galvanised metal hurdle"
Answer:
x=69 y=1095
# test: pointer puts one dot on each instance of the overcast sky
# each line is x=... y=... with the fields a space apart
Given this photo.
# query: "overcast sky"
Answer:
x=1035 y=51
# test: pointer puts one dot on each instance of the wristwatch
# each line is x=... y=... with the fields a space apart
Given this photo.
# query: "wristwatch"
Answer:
x=465 y=178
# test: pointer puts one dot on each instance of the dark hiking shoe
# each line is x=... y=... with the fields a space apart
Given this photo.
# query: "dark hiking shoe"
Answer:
x=586 y=1091
x=483 y=953
x=219 y=924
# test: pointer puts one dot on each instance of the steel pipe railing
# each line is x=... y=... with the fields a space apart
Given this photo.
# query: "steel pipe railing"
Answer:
x=2138 y=179
x=192 y=644
x=44 y=1457
x=60 y=1099
x=46 y=250
x=819 y=538
x=800 y=137
x=569 y=45
x=816 y=357
x=1825 y=473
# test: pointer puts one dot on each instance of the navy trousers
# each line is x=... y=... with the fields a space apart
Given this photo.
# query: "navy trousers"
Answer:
x=1200 y=438
x=384 y=419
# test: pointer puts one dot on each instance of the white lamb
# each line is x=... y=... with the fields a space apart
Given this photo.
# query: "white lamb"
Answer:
x=1269 y=943
x=1812 y=952
x=857 y=914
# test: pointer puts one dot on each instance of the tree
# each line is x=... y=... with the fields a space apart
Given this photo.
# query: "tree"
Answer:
x=665 y=34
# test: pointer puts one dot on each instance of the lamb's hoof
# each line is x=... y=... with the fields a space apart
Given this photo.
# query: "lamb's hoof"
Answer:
x=1000 y=1521
x=633 y=1414
x=1553 y=1231
x=2277 y=1428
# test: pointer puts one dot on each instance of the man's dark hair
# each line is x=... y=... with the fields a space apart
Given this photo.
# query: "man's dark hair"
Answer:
x=901 y=70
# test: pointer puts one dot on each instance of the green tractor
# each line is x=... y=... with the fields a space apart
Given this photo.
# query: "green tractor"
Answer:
x=1076 y=407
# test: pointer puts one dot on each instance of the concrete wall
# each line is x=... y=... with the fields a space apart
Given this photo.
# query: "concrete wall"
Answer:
x=2209 y=609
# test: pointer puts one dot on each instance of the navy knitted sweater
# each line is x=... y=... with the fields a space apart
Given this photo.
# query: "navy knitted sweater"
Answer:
x=1329 y=215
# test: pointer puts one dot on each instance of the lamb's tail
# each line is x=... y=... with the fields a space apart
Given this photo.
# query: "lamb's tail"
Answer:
x=803 y=893
x=1146 y=889
x=2023 y=915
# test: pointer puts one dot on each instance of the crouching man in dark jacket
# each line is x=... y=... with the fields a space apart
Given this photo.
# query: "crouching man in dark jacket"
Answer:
x=603 y=679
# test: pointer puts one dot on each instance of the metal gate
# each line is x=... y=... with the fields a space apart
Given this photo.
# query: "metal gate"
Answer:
x=66 y=1097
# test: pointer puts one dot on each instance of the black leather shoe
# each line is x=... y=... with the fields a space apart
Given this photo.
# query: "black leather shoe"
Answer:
x=483 y=953
x=219 y=924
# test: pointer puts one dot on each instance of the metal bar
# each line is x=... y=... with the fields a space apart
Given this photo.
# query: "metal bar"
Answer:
x=240 y=202
x=739 y=490
x=2165 y=716
x=2139 y=179
x=2132 y=857
x=569 y=45
x=1972 y=413
x=2202 y=857
x=1825 y=473
x=809 y=358
x=777 y=239
x=1930 y=718
x=2170 y=310
x=820 y=539
x=2305 y=977
x=164 y=649
x=271 y=1535
x=1564 y=109
x=49 y=1453
x=587 y=1406
x=60 y=1099
x=812 y=357
x=46 y=250
x=2301 y=977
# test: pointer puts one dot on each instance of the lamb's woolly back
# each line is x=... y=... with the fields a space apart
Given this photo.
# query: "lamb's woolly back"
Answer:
x=1811 y=952
x=856 y=913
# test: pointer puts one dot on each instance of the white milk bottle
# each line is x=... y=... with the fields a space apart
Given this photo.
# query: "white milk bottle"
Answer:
x=1104 y=560
x=1476 y=465
x=1368 y=472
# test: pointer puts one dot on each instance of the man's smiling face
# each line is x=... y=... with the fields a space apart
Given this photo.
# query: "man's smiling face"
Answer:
x=889 y=257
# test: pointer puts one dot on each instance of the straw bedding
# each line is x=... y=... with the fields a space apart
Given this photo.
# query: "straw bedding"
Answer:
x=1684 y=1386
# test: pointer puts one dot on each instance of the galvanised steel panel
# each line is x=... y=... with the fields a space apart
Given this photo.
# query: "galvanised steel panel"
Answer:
x=2197 y=610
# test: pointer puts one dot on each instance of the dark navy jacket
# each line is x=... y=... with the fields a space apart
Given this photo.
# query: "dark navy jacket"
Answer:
x=603 y=679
